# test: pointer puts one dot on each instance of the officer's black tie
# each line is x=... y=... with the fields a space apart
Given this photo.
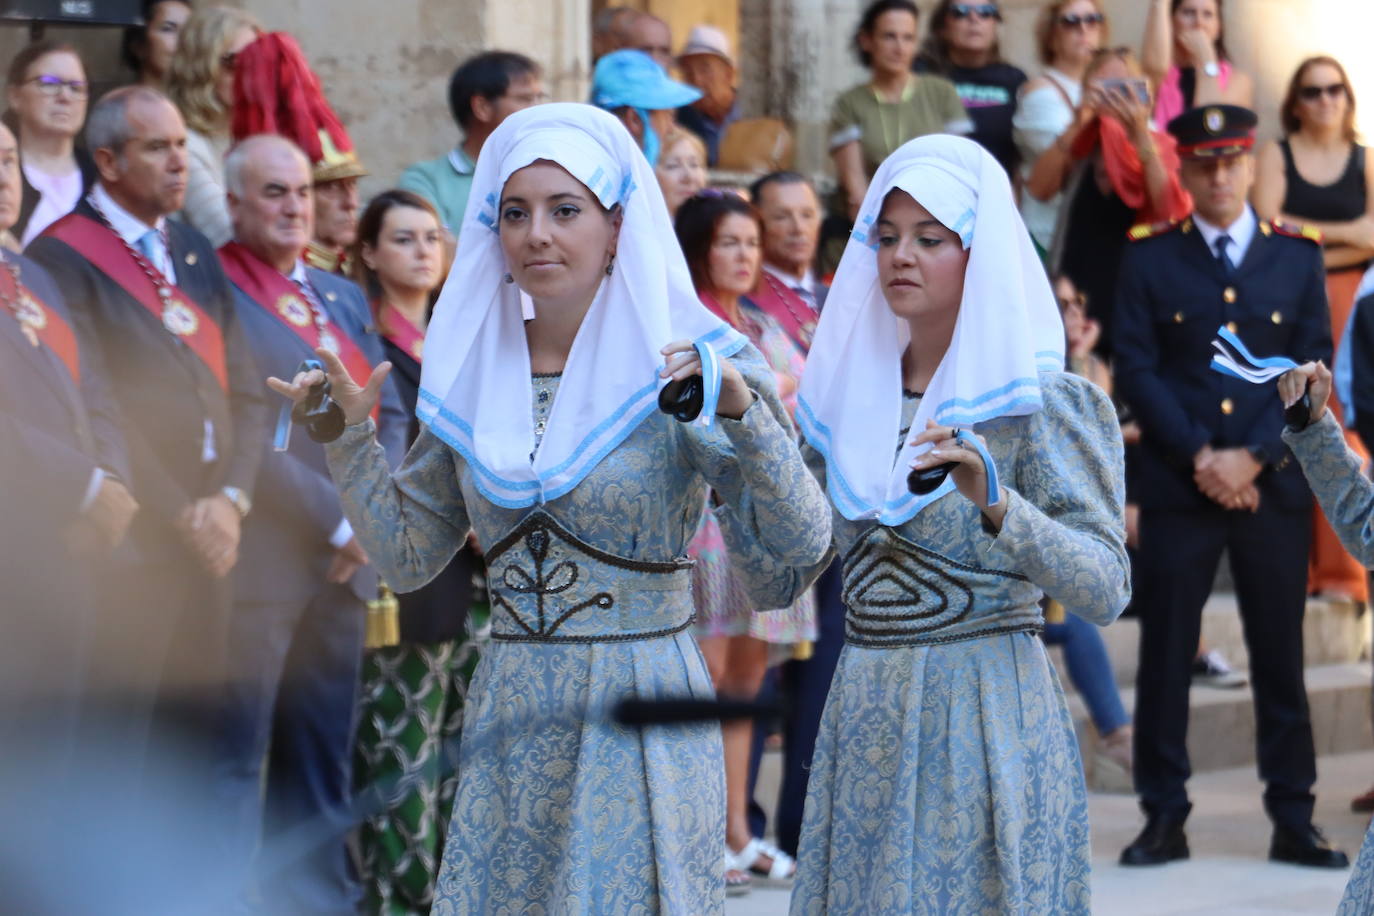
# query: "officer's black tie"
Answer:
x=1228 y=267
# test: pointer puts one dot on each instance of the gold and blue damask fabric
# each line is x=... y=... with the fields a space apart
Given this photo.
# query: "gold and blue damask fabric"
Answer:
x=1346 y=496
x=946 y=778
x=1336 y=475
x=1358 y=899
x=559 y=810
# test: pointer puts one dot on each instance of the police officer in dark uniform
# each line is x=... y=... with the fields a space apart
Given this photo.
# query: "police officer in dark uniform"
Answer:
x=1215 y=475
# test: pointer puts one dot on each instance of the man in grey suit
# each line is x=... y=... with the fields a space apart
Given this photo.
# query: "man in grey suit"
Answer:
x=296 y=641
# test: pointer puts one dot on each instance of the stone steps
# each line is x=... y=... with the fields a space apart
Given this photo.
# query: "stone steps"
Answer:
x=1221 y=723
x=1334 y=632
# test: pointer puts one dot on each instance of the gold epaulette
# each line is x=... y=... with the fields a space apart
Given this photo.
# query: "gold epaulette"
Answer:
x=1298 y=231
x=1150 y=230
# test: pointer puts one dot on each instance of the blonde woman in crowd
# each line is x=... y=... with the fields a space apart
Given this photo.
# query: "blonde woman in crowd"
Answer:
x=201 y=83
x=1069 y=33
x=681 y=167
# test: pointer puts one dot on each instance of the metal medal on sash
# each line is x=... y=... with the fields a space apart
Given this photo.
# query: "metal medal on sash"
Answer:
x=31 y=316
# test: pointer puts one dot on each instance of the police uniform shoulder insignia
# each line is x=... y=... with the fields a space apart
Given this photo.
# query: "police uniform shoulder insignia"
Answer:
x=1298 y=231
x=1150 y=230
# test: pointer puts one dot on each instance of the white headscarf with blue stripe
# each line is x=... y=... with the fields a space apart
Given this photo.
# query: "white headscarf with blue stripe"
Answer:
x=475 y=389
x=1008 y=330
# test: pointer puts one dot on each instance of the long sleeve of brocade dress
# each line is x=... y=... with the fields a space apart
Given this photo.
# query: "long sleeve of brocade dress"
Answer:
x=1346 y=496
x=946 y=778
x=559 y=810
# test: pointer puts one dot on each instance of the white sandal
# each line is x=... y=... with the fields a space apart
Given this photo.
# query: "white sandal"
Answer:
x=738 y=887
x=783 y=870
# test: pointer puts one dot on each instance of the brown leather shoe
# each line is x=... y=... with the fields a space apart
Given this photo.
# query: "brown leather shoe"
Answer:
x=1363 y=803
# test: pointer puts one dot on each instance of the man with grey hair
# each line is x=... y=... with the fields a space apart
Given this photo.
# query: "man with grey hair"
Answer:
x=296 y=640
x=152 y=308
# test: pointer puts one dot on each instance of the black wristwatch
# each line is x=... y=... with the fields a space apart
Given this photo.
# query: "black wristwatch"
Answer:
x=1260 y=454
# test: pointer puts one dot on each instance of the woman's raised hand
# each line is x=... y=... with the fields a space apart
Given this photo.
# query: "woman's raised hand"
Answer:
x=356 y=400
x=970 y=475
x=683 y=360
x=1313 y=378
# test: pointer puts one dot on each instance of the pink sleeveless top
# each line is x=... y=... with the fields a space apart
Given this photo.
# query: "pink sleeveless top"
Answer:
x=1169 y=102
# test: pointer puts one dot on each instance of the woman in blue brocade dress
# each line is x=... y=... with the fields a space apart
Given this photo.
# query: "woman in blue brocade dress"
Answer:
x=1346 y=496
x=541 y=433
x=946 y=778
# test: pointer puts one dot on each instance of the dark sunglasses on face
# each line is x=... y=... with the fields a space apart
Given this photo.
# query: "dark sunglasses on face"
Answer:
x=53 y=85
x=1312 y=93
x=981 y=10
x=1074 y=20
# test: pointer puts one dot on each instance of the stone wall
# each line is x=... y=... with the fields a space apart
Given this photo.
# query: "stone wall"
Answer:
x=385 y=65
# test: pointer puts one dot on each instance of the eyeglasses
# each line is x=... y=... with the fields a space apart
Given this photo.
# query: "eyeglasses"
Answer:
x=1312 y=93
x=53 y=85
x=1086 y=20
x=1068 y=302
x=981 y=10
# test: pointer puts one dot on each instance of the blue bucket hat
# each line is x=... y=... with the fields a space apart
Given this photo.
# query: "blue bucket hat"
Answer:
x=630 y=78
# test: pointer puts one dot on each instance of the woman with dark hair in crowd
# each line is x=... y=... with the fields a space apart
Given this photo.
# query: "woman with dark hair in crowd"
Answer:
x=1186 y=59
x=201 y=84
x=720 y=233
x=962 y=45
x=1320 y=175
x=1127 y=173
x=1069 y=33
x=411 y=711
x=148 y=48
x=47 y=92
x=872 y=119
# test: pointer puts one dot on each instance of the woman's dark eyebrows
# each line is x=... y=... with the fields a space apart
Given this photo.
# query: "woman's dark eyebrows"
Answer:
x=920 y=225
x=561 y=195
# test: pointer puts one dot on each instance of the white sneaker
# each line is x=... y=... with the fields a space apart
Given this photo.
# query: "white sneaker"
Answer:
x=1211 y=669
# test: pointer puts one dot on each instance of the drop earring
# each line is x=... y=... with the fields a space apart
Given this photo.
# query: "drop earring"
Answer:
x=508 y=278
x=610 y=266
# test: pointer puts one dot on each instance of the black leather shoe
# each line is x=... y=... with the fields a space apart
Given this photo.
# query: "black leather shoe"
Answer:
x=1161 y=841
x=1305 y=847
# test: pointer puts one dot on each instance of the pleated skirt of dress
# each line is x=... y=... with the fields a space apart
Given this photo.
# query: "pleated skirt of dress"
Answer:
x=946 y=780
x=560 y=811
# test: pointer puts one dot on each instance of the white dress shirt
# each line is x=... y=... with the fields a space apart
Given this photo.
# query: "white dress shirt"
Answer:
x=132 y=229
x=1242 y=233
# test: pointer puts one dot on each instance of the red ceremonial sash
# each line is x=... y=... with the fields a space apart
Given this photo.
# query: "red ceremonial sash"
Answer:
x=787 y=308
x=396 y=328
x=281 y=298
x=185 y=320
x=41 y=324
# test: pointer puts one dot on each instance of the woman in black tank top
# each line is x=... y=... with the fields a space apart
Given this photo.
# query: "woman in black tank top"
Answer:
x=1320 y=176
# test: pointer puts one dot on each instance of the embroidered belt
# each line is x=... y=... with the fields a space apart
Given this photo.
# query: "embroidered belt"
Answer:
x=548 y=586
x=899 y=594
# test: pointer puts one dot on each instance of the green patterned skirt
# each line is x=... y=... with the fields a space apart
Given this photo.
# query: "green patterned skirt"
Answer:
x=406 y=768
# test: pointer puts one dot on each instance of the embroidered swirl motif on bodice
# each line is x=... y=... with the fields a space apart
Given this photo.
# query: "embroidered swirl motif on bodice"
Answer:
x=899 y=594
